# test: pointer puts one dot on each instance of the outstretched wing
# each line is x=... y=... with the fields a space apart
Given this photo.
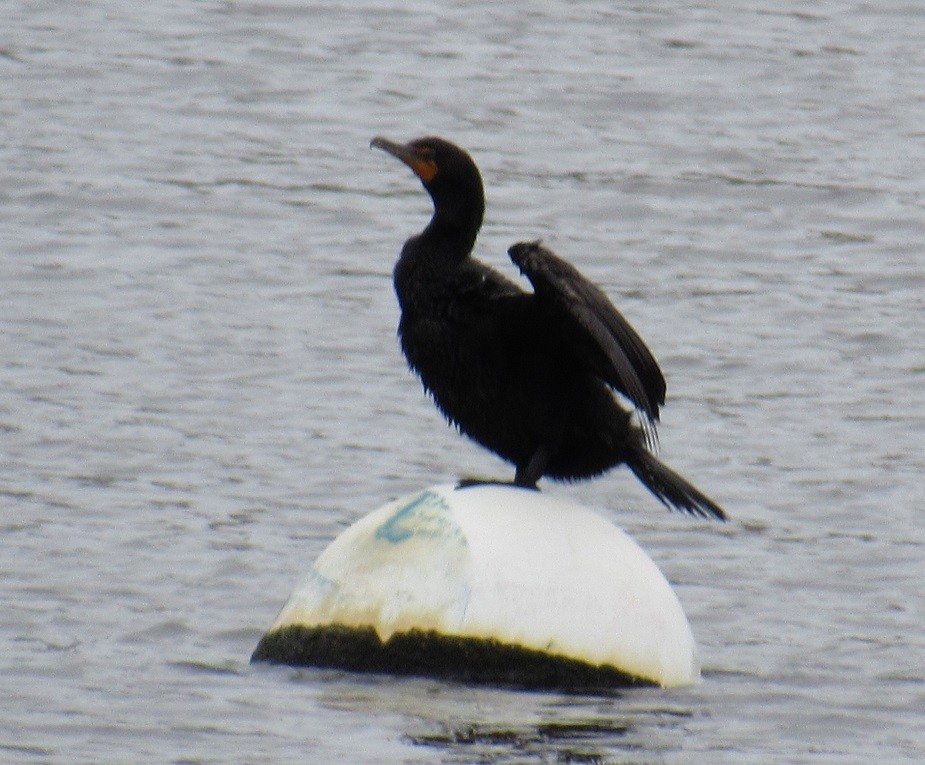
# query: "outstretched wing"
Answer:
x=603 y=336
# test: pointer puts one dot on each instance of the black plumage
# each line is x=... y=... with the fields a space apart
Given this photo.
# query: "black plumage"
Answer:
x=530 y=376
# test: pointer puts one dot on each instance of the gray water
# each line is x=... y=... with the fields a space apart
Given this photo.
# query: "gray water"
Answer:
x=200 y=383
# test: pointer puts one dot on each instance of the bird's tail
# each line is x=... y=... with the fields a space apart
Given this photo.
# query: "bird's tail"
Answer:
x=673 y=490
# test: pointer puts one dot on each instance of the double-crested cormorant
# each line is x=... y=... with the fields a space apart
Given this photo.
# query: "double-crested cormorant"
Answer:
x=530 y=376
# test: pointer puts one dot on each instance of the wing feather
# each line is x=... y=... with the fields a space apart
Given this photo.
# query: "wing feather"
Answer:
x=611 y=345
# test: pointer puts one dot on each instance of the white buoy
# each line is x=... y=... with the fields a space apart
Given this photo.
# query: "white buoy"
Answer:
x=467 y=582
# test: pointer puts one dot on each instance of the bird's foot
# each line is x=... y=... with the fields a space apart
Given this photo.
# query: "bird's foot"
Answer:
x=471 y=481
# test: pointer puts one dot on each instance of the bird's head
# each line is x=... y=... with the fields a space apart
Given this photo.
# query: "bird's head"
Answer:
x=447 y=172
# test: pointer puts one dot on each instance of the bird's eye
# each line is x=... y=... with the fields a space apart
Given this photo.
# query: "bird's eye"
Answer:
x=425 y=152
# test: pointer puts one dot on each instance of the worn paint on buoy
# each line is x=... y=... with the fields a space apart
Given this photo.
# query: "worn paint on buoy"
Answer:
x=488 y=583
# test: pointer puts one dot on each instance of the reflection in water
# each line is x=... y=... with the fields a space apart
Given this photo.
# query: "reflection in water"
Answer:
x=467 y=724
x=578 y=741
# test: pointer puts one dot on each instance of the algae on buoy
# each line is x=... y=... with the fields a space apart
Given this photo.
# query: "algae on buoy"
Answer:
x=492 y=584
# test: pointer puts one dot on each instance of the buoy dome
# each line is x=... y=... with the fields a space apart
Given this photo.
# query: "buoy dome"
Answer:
x=466 y=582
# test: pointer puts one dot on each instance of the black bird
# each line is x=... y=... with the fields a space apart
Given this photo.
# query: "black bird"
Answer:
x=530 y=376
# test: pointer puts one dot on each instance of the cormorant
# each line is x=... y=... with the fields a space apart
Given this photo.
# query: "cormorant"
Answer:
x=530 y=376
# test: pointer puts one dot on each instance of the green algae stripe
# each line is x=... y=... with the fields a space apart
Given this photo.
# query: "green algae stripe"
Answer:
x=430 y=654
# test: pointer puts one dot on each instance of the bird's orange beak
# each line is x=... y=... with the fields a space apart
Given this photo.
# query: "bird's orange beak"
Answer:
x=423 y=164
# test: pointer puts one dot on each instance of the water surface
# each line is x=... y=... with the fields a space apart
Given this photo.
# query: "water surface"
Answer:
x=200 y=384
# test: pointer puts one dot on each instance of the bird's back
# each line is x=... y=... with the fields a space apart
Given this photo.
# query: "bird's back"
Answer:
x=500 y=368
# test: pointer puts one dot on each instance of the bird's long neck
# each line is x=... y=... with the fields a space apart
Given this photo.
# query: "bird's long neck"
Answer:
x=427 y=269
x=451 y=233
x=429 y=260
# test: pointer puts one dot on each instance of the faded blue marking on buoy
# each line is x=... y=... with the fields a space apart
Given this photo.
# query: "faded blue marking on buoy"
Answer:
x=318 y=582
x=427 y=515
